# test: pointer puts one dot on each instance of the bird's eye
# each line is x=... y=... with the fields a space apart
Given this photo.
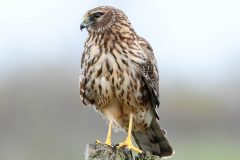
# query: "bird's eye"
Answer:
x=98 y=14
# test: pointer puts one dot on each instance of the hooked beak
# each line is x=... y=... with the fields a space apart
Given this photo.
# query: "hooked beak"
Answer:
x=85 y=23
x=82 y=26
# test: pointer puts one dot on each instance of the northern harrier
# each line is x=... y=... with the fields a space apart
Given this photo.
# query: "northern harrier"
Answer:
x=119 y=76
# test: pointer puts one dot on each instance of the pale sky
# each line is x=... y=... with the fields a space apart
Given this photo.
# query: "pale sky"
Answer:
x=191 y=39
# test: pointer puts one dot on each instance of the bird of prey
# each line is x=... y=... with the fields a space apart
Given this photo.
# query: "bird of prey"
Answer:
x=119 y=76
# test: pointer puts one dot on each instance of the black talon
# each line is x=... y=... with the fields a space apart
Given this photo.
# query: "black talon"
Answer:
x=141 y=155
x=128 y=151
x=115 y=146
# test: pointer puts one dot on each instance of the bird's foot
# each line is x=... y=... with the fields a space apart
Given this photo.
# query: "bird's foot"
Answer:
x=108 y=139
x=128 y=145
x=106 y=142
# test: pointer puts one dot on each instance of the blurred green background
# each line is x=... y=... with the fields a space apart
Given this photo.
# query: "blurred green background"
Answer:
x=197 y=45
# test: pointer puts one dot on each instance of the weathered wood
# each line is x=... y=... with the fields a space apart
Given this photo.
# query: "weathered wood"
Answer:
x=104 y=152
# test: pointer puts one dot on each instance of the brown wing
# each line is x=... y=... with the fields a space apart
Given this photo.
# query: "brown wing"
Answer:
x=83 y=79
x=149 y=71
x=154 y=138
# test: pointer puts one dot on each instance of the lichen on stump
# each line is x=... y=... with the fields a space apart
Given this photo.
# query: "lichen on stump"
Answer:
x=104 y=152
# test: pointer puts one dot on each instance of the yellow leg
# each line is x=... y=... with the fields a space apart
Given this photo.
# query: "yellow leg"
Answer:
x=109 y=135
x=128 y=142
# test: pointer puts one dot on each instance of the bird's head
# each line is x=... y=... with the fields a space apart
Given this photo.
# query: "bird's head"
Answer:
x=99 y=19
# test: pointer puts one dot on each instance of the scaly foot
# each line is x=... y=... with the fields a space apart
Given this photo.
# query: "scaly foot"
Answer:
x=128 y=144
x=107 y=142
x=109 y=135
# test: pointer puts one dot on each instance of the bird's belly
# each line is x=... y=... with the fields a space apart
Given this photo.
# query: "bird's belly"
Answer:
x=125 y=99
x=119 y=114
x=116 y=89
x=99 y=91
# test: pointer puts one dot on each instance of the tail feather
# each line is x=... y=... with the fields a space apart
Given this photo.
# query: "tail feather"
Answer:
x=154 y=140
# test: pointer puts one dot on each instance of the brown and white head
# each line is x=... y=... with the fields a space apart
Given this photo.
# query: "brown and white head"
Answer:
x=103 y=18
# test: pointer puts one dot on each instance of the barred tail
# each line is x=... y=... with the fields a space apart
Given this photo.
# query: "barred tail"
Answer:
x=154 y=140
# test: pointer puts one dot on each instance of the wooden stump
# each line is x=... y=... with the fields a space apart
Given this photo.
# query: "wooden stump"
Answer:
x=104 y=152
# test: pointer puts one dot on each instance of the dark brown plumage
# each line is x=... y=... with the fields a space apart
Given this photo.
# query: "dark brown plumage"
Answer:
x=119 y=76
